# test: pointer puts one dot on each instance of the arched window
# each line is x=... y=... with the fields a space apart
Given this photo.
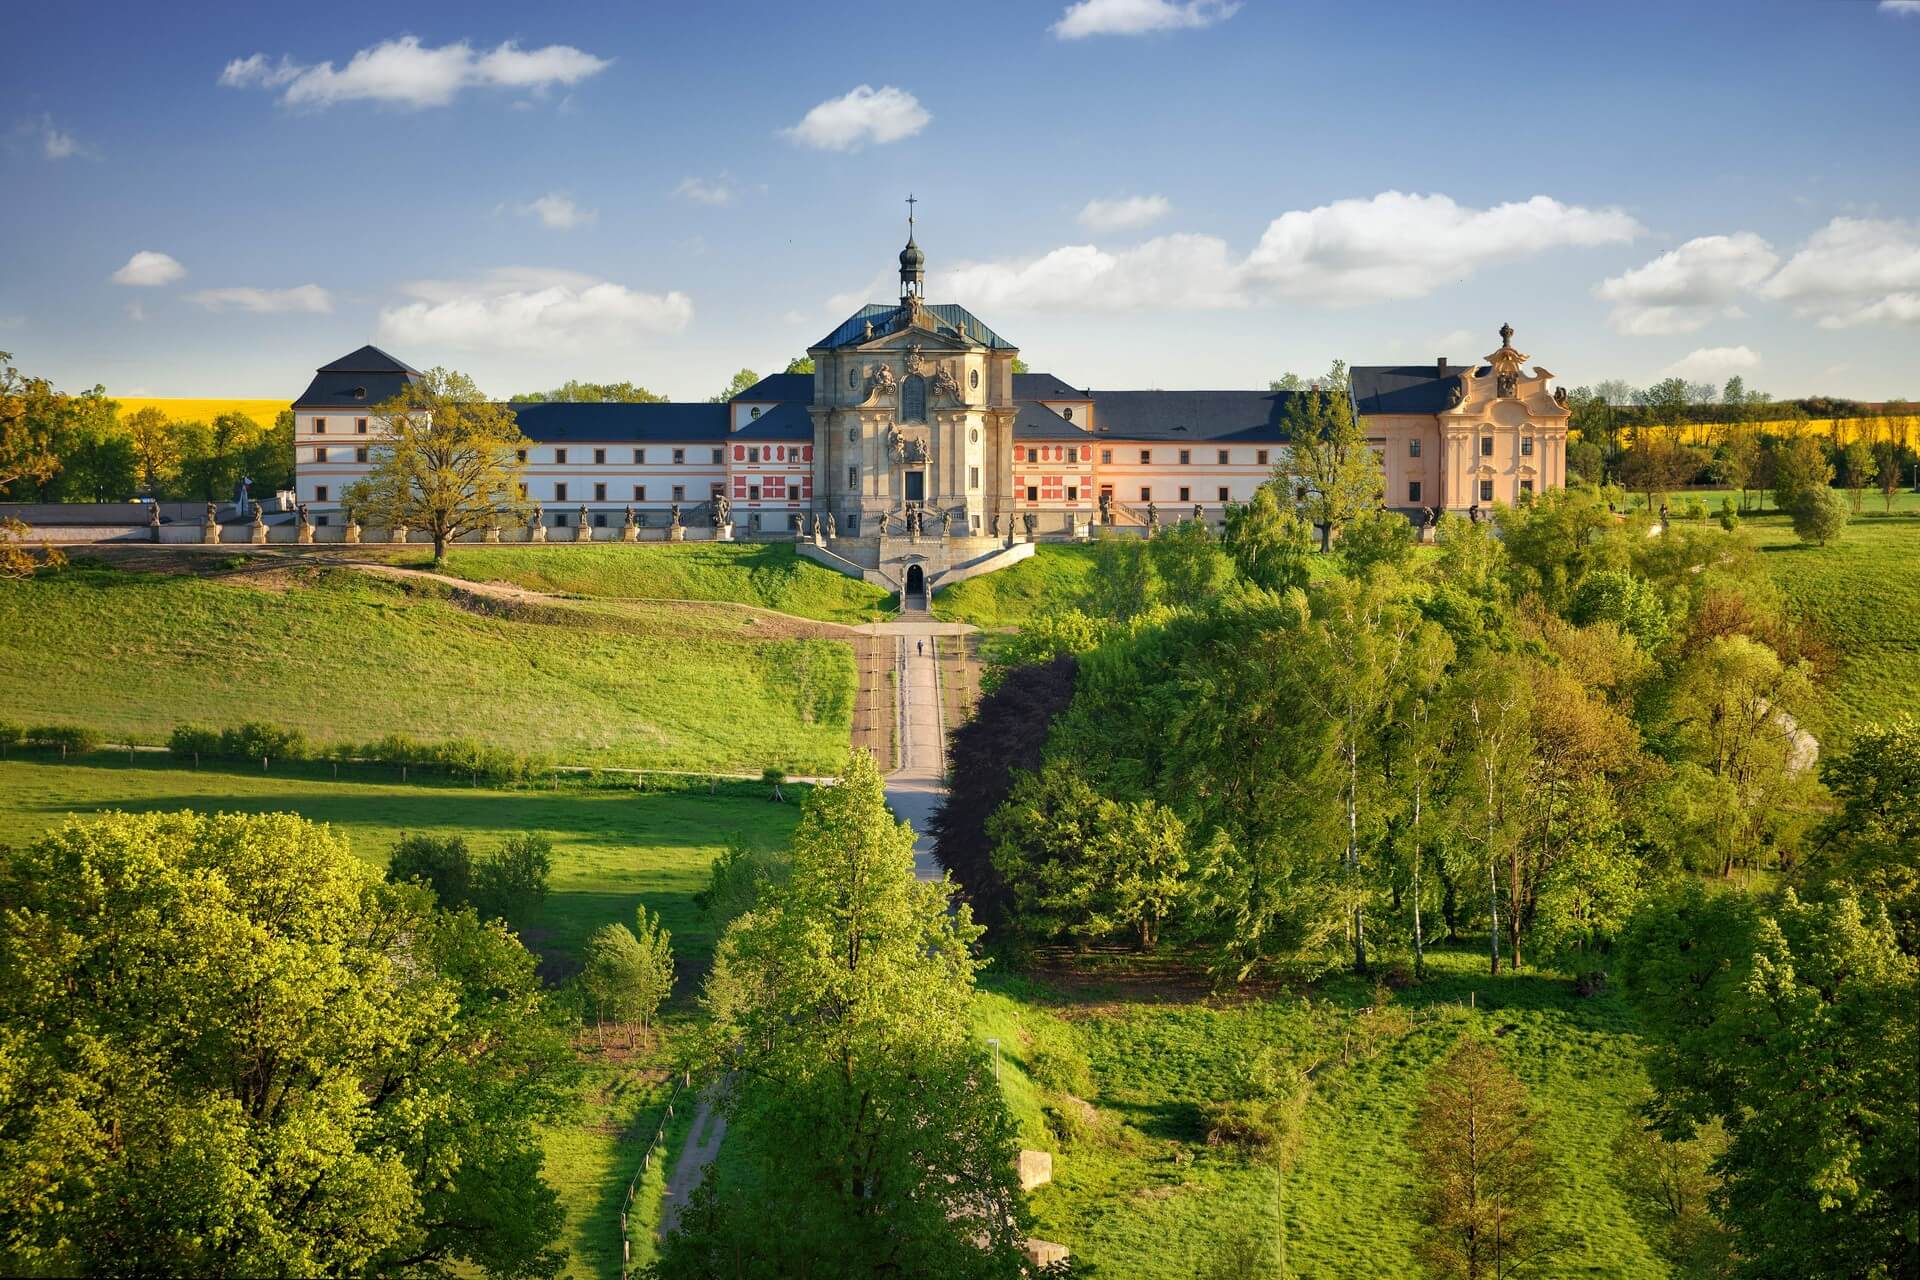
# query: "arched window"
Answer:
x=913 y=399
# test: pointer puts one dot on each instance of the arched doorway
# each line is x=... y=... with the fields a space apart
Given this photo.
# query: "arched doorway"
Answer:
x=916 y=580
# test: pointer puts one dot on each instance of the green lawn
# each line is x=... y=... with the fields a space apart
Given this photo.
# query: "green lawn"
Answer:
x=1056 y=574
x=769 y=575
x=614 y=849
x=347 y=656
x=1146 y=1196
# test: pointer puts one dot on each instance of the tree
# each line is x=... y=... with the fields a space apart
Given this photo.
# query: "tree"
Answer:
x=1268 y=542
x=1738 y=464
x=1800 y=468
x=1886 y=472
x=1376 y=536
x=740 y=382
x=155 y=447
x=572 y=391
x=866 y=1124
x=29 y=412
x=1792 y=1023
x=441 y=863
x=1819 y=516
x=1857 y=469
x=1288 y=381
x=736 y=880
x=1125 y=581
x=1189 y=564
x=628 y=974
x=233 y=1051
x=1484 y=1185
x=513 y=878
x=800 y=364
x=1050 y=634
x=1670 y=1187
x=446 y=463
x=1871 y=844
x=1332 y=468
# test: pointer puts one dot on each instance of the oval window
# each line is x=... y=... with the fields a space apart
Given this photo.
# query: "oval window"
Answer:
x=853 y=434
x=973 y=379
x=853 y=378
x=754 y=412
x=974 y=435
x=1067 y=413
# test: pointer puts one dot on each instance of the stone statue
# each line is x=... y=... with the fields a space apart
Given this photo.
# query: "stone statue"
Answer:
x=629 y=522
x=1199 y=516
x=946 y=523
x=1106 y=508
x=304 y=518
x=1473 y=513
x=1427 y=518
x=586 y=519
x=1560 y=396
x=1153 y=519
x=869 y=329
x=213 y=515
x=830 y=529
x=880 y=381
x=896 y=445
x=153 y=514
x=1506 y=384
x=993 y=525
x=537 y=519
x=1457 y=393
x=1029 y=522
x=915 y=361
x=945 y=384
x=674 y=523
x=722 y=510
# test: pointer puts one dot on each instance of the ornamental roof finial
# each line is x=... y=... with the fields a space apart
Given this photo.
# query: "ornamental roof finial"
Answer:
x=1506 y=335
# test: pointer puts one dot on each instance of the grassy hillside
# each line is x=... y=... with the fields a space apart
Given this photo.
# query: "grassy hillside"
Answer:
x=769 y=575
x=182 y=409
x=613 y=850
x=1140 y=1191
x=1055 y=574
x=344 y=656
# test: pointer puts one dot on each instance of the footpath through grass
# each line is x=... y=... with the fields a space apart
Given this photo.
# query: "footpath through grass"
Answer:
x=346 y=656
x=766 y=574
x=1139 y=1191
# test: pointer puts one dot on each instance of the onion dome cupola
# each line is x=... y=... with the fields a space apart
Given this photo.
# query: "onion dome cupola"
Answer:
x=913 y=262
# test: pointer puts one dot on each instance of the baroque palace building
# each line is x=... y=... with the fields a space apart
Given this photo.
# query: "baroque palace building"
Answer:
x=914 y=420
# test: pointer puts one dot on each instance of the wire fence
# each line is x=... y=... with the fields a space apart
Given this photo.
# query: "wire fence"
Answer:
x=646 y=1163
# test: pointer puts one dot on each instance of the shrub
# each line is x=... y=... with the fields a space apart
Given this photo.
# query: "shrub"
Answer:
x=255 y=739
x=1061 y=1069
x=1616 y=596
x=443 y=865
x=70 y=738
x=514 y=877
x=1819 y=515
x=194 y=740
x=1729 y=515
x=11 y=734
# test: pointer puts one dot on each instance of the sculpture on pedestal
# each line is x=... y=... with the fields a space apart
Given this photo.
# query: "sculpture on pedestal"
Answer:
x=1106 y=508
x=830 y=529
x=722 y=511
x=1153 y=519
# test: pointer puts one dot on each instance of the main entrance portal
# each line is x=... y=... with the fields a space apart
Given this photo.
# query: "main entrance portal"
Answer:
x=916 y=486
x=916 y=580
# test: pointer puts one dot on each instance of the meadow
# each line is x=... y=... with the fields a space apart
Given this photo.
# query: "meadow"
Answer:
x=345 y=656
x=768 y=575
x=615 y=849
x=1055 y=574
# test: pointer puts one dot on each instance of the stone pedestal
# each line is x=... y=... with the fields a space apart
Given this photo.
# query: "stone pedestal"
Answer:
x=353 y=533
x=536 y=533
x=492 y=534
x=306 y=534
x=630 y=533
x=257 y=532
x=1036 y=1169
x=676 y=533
x=210 y=532
x=583 y=532
x=723 y=532
x=398 y=533
x=1044 y=1253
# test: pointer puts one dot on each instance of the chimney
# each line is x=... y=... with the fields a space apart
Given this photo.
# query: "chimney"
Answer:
x=1440 y=366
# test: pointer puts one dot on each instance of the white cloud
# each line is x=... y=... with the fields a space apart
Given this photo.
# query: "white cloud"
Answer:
x=1399 y=245
x=531 y=309
x=1456 y=340
x=865 y=114
x=1909 y=8
x=57 y=143
x=408 y=73
x=1138 y=17
x=1123 y=213
x=1854 y=271
x=1713 y=362
x=1180 y=272
x=148 y=268
x=559 y=213
x=305 y=297
x=700 y=191
x=1681 y=290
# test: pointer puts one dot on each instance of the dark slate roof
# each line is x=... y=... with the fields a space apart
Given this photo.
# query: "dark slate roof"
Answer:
x=1403 y=388
x=785 y=421
x=1192 y=415
x=1044 y=386
x=948 y=320
x=781 y=386
x=561 y=422
x=368 y=359
x=1035 y=421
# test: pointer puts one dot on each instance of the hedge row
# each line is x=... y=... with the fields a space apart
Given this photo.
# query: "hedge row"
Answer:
x=66 y=738
x=462 y=757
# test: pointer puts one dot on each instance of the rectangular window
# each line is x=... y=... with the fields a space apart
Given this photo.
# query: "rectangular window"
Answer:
x=560 y=455
x=1486 y=491
x=599 y=519
x=360 y=426
x=1526 y=486
x=1146 y=494
x=1073 y=493
x=1223 y=493
x=679 y=493
x=753 y=493
x=320 y=520
x=1526 y=446
x=1186 y=494
x=1486 y=446
x=1033 y=493
x=560 y=520
x=599 y=493
x=1413 y=491
x=679 y=457
x=560 y=492
x=716 y=489
x=519 y=455
x=639 y=493
x=719 y=456
x=1146 y=457
x=320 y=454
x=599 y=457
x=319 y=426
x=360 y=455
x=973 y=477
x=753 y=455
x=853 y=477
x=640 y=457
x=1413 y=446
x=1223 y=457
x=320 y=493
x=1261 y=457
x=1186 y=456
x=1106 y=456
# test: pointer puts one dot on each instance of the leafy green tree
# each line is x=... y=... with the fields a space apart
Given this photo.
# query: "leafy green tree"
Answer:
x=1886 y=472
x=1490 y=702
x=1857 y=470
x=1800 y=468
x=151 y=434
x=740 y=382
x=1125 y=581
x=1792 y=1023
x=1628 y=602
x=232 y=1051
x=736 y=880
x=800 y=364
x=655 y=980
x=1021 y=366
x=1189 y=564
x=446 y=463
x=1045 y=636
x=1871 y=844
x=513 y=879
x=1376 y=536
x=1670 y=1185
x=1819 y=516
x=1552 y=542
x=1288 y=381
x=30 y=420
x=1328 y=460
x=867 y=1126
x=1268 y=542
x=574 y=391
x=1485 y=1186
x=442 y=863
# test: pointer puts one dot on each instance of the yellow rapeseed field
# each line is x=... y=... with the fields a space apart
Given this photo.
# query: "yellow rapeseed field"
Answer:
x=184 y=409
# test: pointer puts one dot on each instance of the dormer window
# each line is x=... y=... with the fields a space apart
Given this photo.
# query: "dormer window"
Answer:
x=359 y=393
x=1067 y=413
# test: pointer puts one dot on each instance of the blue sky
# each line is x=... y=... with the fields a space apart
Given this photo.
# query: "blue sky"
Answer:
x=1159 y=193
